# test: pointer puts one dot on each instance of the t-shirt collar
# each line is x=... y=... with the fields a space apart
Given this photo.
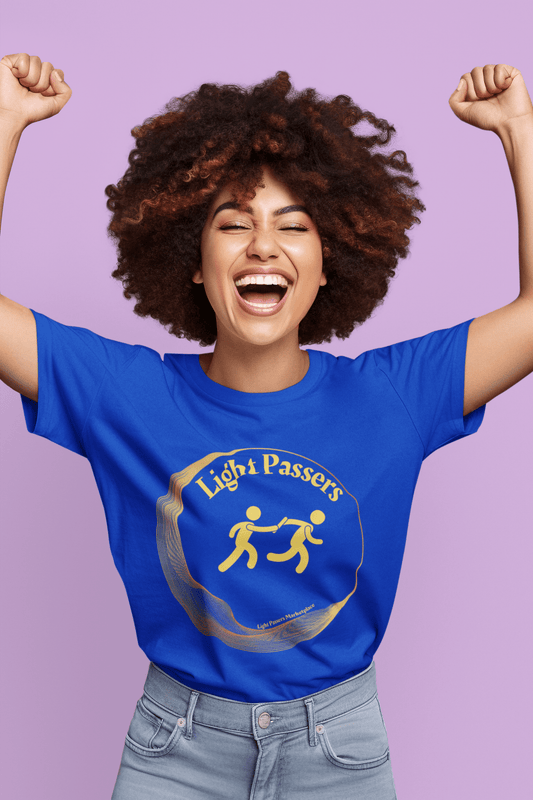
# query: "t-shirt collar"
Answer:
x=224 y=394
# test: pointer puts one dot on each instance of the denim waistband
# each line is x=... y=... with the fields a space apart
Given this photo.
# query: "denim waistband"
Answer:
x=259 y=719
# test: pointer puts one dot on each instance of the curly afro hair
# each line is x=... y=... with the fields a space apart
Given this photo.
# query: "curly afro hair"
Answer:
x=225 y=133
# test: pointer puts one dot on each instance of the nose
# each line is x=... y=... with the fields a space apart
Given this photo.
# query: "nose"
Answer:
x=264 y=245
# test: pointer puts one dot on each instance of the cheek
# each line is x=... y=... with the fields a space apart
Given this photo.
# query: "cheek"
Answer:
x=217 y=260
x=318 y=256
x=216 y=287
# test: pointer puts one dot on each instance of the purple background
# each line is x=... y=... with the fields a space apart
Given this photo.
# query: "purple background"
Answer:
x=454 y=669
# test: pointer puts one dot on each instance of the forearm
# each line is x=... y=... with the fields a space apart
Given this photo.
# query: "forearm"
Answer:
x=517 y=140
x=9 y=139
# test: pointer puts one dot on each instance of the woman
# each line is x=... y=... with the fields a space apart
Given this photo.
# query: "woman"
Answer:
x=258 y=496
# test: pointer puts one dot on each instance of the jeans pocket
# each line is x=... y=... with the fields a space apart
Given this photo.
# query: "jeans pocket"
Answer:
x=356 y=739
x=153 y=730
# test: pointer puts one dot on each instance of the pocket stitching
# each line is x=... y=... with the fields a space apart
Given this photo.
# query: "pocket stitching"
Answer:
x=341 y=762
x=150 y=716
x=346 y=763
x=174 y=736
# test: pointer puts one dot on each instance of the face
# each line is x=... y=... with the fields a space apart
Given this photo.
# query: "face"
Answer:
x=261 y=269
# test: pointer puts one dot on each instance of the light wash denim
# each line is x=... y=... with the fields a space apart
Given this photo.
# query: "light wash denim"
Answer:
x=187 y=745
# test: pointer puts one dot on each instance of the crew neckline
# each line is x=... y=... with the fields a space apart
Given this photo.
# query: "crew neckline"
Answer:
x=234 y=397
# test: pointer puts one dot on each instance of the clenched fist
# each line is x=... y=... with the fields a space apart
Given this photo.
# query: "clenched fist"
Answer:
x=30 y=90
x=492 y=97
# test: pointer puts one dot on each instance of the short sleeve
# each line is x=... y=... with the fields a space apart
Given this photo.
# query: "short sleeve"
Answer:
x=72 y=365
x=428 y=375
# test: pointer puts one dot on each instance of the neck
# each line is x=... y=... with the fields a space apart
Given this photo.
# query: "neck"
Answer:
x=256 y=368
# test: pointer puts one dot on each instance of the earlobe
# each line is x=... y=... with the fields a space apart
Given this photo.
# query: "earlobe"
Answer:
x=198 y=277
x=323 y=280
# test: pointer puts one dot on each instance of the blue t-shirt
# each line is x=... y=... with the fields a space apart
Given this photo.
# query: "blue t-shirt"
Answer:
x=259 y=536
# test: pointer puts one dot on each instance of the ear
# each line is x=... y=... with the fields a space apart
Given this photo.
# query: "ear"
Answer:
x=198 y=277
x=323 y=279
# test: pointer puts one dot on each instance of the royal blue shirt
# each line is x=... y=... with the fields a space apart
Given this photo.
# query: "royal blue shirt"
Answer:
x=259 y=536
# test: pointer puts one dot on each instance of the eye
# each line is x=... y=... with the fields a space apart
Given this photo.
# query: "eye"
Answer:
x=290 y=228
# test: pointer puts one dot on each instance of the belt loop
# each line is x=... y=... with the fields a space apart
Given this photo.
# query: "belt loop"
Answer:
x=311 y=720
x=190 y=708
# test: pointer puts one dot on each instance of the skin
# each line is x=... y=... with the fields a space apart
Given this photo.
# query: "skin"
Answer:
x=259 y=353
x=262 y=355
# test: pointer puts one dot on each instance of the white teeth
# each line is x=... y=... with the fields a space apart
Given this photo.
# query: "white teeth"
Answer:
x=261 y=306
x=268 y=280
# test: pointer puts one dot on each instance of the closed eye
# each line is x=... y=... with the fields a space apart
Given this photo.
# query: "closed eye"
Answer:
x=290 y=228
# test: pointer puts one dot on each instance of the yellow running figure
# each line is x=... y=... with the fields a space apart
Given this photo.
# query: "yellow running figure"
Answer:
x=244 y=530
x=298 y=538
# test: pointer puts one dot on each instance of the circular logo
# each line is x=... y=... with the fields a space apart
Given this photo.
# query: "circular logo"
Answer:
x=260 y=547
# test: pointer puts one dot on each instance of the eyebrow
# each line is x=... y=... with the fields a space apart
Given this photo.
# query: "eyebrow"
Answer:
x=250 y=210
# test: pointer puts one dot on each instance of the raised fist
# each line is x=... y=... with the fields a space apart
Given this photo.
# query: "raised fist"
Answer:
x=30 y=90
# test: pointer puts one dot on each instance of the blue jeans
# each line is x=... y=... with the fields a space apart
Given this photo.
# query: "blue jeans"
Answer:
x=187 y=745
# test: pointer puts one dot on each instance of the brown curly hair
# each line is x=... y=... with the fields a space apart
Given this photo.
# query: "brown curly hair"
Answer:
x=225 y=133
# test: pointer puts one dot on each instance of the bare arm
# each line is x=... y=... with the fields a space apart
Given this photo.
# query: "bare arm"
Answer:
x=500 y=344
x=9 y=138
x=499 y=350
x=29 y=92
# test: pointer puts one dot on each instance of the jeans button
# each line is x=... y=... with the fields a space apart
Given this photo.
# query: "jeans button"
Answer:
x=264 y=720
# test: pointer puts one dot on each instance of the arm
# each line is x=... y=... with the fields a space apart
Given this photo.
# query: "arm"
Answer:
x=267 y=528
x=18 y=335
x=500 y=344
x=28 y=93
x=9 y=139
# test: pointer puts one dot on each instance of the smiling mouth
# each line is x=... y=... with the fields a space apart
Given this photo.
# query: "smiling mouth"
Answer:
x=258 y=295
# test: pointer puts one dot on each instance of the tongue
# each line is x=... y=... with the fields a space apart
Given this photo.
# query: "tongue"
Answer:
x=261 y=297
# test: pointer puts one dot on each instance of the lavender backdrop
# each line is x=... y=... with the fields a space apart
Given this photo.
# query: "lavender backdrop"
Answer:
x=454 y=669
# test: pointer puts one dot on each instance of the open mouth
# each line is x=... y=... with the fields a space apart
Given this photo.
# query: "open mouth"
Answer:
x=262 y=294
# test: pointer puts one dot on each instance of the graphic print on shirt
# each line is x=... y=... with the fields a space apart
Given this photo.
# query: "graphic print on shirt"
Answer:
x=281 y=543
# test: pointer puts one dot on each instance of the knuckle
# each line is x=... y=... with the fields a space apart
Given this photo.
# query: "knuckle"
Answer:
x=21 y=62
